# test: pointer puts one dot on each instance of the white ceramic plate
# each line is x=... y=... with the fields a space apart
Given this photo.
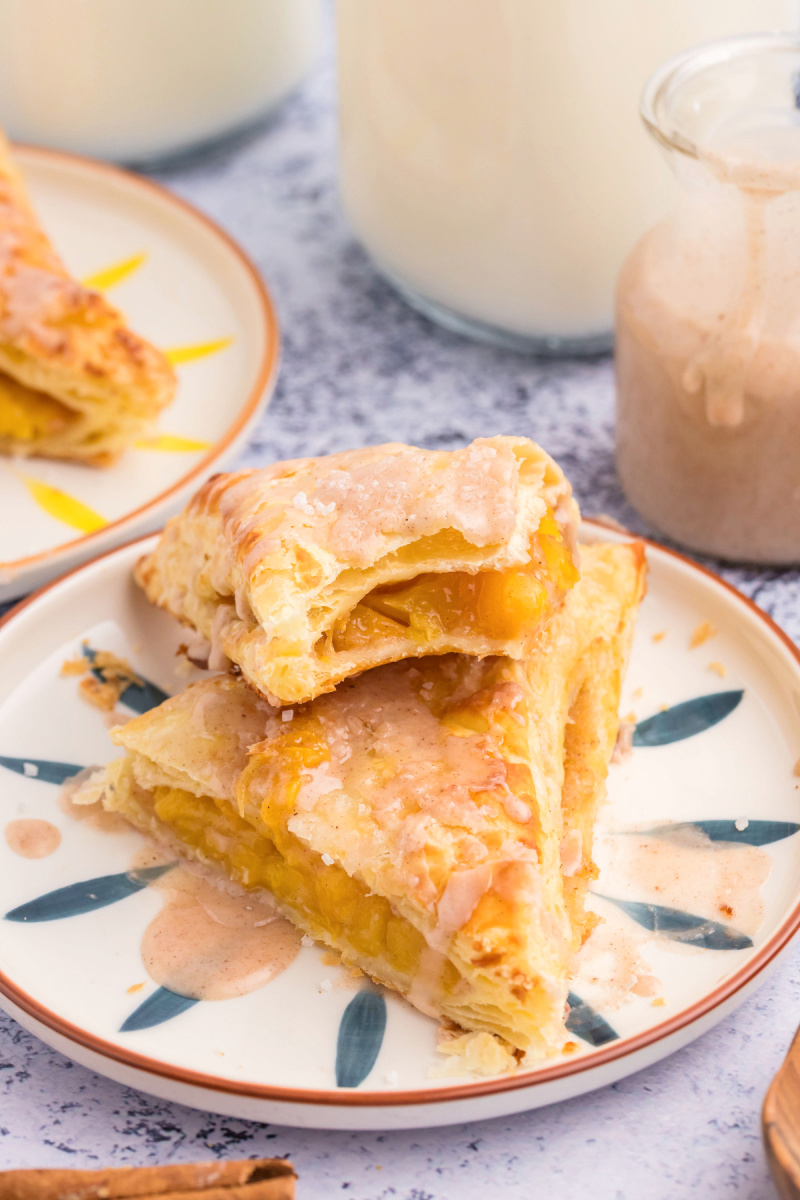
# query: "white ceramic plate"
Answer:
x=272 y=1055
x=182 y=283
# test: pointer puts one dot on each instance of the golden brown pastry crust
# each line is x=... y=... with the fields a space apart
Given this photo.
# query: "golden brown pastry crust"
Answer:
x=63 y=341
x=295 y=571
x=431 y=799
x=614 y=588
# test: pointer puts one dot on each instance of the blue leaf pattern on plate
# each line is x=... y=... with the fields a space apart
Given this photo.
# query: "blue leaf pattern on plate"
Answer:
x=755 y=833
x=361 y=1031
x=141 y=697
x=681 y=926
x=587 y=1024
x=162 y=1006
x=86 y=896
x=686 y=719
x=46 y=771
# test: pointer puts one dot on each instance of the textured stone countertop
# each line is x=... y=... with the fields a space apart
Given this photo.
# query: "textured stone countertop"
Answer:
x=360 y=367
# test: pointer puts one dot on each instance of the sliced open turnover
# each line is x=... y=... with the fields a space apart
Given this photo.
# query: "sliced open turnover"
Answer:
x=417 y=819
x=75 y=382
x=307 y=572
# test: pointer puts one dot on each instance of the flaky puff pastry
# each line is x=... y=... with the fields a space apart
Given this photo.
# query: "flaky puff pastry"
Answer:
x=419 y=820
x=75 y=382
x=307 y=572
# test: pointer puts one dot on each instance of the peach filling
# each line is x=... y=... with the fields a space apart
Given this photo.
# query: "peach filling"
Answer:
x=497 y=605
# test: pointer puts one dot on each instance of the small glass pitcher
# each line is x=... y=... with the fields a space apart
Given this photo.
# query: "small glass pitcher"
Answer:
x=708 y=309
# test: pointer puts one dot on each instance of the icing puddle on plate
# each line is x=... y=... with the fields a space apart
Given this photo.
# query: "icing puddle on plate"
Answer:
x=207 y=944
x=31 y=837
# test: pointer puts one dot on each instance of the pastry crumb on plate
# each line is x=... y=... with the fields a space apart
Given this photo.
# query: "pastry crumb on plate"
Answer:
x=703 y=633
x=472 y=1054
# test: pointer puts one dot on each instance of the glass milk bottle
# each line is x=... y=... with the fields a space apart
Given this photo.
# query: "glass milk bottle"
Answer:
x=143 y=80
x=491 y=159
x=708 y=309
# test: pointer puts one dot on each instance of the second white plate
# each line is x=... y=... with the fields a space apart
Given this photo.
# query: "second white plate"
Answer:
x=182 y=283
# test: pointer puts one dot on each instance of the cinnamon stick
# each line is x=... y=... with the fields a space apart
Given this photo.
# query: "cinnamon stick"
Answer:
x=249 y=1179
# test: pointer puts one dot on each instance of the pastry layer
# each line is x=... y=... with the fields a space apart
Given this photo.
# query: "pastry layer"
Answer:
x=418 y=819
x=75 y=382
x=307 y=572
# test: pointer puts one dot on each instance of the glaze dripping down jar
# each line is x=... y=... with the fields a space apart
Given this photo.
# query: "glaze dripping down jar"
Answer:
x=708 y=309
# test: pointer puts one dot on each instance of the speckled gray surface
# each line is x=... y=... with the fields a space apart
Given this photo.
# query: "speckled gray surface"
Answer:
x=359 y=367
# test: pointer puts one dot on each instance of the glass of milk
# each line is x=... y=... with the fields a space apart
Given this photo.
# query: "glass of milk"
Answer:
x=143 y=80
x=708 y=309
x=492 y=161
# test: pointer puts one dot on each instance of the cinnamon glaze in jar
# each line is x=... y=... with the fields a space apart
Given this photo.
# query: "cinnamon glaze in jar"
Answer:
x=708 y=309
